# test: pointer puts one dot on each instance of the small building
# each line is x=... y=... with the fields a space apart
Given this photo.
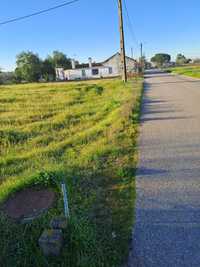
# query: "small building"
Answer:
x=111 y=67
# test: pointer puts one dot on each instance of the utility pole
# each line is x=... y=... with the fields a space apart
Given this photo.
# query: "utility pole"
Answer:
x=122 y=44
x=132 y=52
x=141 y=57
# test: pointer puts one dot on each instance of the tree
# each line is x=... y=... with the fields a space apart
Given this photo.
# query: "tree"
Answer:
x=60 y=60
x=7 y=77
x=1 y=80
x=181 y=59
x=18 y=75
x=28 y=67
x=161 y=59
x=48 y=70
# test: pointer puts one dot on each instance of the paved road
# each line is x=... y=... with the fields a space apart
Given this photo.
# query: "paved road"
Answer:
x=167 y=230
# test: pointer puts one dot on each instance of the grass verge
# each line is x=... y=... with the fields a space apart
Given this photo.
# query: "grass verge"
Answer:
x=191 y=71
x=84 y=133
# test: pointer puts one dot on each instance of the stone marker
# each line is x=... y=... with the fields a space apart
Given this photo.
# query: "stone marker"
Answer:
x=59 y=223
x=51 y=242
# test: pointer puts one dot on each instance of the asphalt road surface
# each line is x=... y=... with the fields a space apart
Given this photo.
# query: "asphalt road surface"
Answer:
x=167 y=219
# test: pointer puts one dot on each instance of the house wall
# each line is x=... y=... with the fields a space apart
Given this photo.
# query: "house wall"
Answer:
x=115 y=63
x=130 y=64
x=73 y=74
x=76 y=74
x=104 y=72
x=60 y=74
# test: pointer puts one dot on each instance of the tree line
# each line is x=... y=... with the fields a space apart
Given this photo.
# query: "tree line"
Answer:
x=162 y=59
x=31 y=68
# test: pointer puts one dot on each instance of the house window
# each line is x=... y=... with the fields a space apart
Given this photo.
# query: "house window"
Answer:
x=95 y=71
x=110 y=70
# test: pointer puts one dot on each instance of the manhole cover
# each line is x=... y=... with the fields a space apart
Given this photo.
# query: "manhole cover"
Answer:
x=28 y=204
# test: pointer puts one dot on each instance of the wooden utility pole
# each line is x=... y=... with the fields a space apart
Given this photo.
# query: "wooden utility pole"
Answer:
x=122 y=44
x=141 y=50
x=132 y=52
x=141 y=57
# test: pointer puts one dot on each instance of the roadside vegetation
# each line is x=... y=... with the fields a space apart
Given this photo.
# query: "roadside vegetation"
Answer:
x=191 y=71
x=84 y=133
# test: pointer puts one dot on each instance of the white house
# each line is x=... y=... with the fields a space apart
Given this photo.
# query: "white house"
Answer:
x=111 y=67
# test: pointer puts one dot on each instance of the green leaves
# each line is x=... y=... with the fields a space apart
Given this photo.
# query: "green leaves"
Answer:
x=160 y=59
x=28 y=67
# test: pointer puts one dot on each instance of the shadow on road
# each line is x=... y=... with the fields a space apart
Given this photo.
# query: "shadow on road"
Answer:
x=176 y=82
x=165 y=118
x=146 y=171
x=155 y=109
x=146 y=76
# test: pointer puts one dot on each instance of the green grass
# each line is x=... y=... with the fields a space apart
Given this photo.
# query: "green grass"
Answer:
x=191 y=71
x=84 y=133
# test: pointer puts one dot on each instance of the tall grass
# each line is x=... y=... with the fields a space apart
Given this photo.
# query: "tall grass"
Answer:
x=84 y=133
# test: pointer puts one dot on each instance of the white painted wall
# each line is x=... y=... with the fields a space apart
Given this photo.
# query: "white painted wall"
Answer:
x=76 y=74
x=60 y=74
x=73 y=74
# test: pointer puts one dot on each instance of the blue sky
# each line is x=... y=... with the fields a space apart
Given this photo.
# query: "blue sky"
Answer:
x=90 y=28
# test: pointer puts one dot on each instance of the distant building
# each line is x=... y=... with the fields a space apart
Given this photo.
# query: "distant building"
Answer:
x=108 y=68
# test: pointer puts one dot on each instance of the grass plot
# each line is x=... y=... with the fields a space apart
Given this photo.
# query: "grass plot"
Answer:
x=191 y=71
x=84 y=133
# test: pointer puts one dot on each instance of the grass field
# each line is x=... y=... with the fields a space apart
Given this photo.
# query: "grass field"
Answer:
x=84 y=133
x=192 y=71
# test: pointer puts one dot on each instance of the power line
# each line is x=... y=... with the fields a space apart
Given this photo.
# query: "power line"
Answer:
x=130 y=25
x=38 y=13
